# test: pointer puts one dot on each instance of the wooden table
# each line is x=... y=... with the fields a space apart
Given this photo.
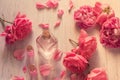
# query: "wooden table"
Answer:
x=104 y=57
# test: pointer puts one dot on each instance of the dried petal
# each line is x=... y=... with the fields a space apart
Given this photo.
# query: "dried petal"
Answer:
x=44 y=26
x=57 y=23
x=45 y=69
x=57 y=55
x=24 y=69
x=70 y=5
x=40 y=6
x=52 y=3
x=19 y=54
x=60 y=13
x=17 y=78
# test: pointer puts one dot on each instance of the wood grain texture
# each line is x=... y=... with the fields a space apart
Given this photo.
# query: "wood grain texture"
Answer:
x=104 y=57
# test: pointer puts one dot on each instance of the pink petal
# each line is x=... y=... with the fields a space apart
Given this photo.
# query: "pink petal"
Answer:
x=3 y=34
x=57 y=23
x=19 y=54
x=70 y=5
x=52 y=3
x=62 y=74
x=60 y=13
x=17 y=78
x=45 y=69
x=57 y=55
x=44 y=26
x=24 y=69
x=40 y=6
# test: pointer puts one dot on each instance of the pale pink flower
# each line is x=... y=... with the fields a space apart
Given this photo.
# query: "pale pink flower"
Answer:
x=17 y=78
x=110 y=33
x=45 y=69
x=85 y=17
x=40 y=6
x=57 y=23
x=97 y=74
x=60 y=13
x=22 y=26
x=75 y=63
x=70 y=5
x=44 y=26
x=19 y=54
x=52 y=3
x=104 y=12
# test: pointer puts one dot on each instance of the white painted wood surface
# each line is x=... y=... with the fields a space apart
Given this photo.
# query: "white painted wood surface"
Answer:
x=104 y=57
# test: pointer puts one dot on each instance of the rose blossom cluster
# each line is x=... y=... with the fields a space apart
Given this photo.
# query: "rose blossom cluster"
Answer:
x=20 y=29
x=104 y=16
x=76 y=61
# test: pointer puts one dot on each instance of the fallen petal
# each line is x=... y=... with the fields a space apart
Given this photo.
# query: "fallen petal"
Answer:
x=45 y=69
x=70 y=5
x=52 y=3
x=44 y=26
x=19 y=54
x=57 y=23
x=40 y=6
x=60 y=13
x=17 y=78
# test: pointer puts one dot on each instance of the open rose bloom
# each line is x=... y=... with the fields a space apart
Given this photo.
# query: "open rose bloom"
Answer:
x=85 y=17
x=87 y=45
x=104 y=12
x=75 y=63
x=97 y=74
x=110 y=33
x=19 y=30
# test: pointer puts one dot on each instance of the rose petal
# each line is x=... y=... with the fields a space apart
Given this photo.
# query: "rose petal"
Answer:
x=24 y=69
x=3 y=34
x=57 y=23
x=60 y=13
x=70 y=5
x=44 y=26
x=57 y=55
x=52 y=3
x=40 y=6
x=45 y=69
x=62 y=74
x=19 y=54
x=17 y=78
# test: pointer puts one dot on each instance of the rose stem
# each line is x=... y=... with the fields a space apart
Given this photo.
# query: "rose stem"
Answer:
x=75 y=44
x=5 y=21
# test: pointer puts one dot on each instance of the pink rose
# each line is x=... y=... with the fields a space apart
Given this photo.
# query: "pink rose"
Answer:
x=110 y=33
x=97 y=74
x=104 y=12
x=22 y=26
x=87 y=45
x=75 y=63
x=85 y=17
